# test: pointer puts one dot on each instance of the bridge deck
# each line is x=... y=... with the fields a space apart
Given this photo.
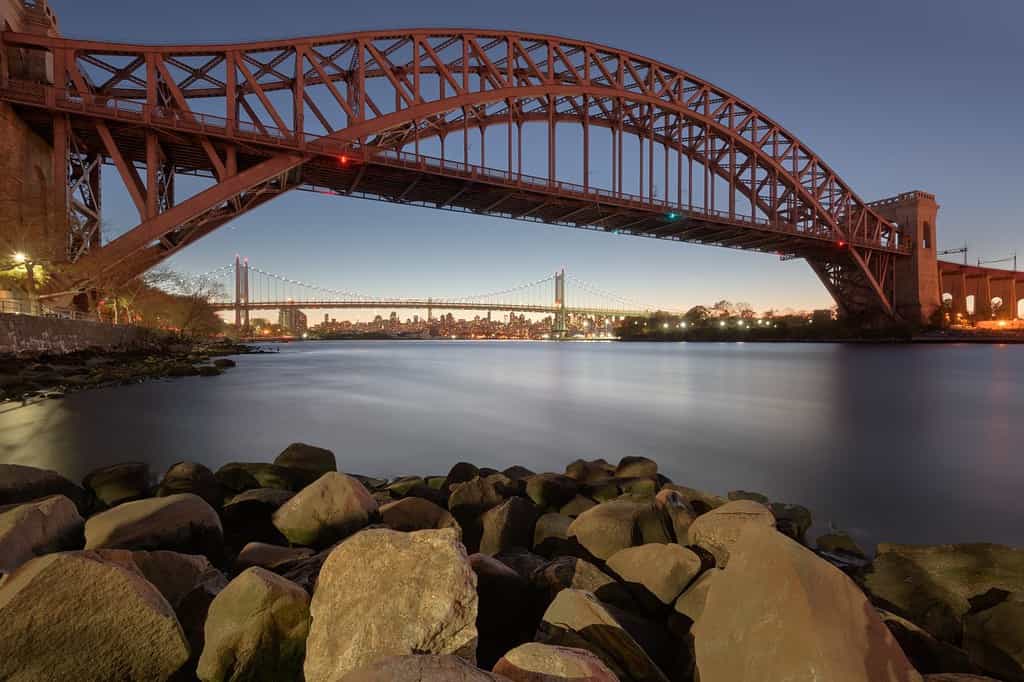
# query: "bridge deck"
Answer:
x=425 y=303
x=420 y=180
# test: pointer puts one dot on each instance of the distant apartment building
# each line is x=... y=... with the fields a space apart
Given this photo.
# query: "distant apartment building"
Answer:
x=292 y=320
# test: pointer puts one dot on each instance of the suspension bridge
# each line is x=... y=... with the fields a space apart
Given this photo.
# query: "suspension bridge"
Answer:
x=247 y=288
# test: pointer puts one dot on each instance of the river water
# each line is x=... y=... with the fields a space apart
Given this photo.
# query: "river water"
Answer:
x=892 y=443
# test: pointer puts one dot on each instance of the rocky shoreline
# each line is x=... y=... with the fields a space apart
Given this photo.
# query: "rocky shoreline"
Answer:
x=292 y=570
x=50 y=375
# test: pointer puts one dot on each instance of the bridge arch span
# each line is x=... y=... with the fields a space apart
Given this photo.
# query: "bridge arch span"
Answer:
x=347 y=114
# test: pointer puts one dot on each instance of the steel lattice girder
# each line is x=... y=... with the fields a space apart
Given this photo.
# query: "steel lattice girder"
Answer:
x=256 y=112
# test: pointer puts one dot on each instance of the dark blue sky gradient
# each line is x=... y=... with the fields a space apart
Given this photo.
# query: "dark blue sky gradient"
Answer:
x=894 y=95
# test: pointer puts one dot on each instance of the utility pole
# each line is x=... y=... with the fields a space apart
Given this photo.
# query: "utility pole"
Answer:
x=1011 y=257
x=949 y=252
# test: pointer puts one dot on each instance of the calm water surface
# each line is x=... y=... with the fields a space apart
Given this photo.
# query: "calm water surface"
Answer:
x=905 y=444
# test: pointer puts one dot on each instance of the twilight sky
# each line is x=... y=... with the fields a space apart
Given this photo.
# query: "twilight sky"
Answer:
x=911 y=94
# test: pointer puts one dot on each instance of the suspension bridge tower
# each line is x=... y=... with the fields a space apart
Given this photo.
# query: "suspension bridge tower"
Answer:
x=242 y=296
x=561 y=327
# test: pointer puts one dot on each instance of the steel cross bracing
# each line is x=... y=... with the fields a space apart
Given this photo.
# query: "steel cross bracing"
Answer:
x=449 y=119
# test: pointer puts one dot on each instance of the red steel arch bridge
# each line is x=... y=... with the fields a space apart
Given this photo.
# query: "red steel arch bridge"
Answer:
x=501 y=123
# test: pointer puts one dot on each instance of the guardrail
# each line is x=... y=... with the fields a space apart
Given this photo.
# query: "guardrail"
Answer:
x=11 y=307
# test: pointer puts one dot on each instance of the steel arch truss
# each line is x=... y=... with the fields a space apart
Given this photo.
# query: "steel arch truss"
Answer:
x=350 y=114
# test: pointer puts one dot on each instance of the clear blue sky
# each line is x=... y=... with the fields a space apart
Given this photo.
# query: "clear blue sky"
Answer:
x=894 y=95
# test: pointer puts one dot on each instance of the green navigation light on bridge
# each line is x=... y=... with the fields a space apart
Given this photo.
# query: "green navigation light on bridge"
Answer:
x=671 y=215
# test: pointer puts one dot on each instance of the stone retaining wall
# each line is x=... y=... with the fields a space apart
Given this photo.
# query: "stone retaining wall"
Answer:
x=27 y=334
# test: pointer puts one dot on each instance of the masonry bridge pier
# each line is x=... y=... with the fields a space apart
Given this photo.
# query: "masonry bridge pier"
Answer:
x=436 y=118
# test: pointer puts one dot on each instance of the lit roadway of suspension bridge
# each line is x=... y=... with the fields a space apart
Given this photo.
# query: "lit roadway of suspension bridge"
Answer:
x=256 y=289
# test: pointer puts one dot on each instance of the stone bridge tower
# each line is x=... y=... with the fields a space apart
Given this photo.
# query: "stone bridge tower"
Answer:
x=33 y=195
x=918 y=294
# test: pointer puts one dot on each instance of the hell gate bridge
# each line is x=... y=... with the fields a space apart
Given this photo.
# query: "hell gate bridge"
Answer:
x=448 y=119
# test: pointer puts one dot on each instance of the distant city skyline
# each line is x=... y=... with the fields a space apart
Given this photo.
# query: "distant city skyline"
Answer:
x=916 y=96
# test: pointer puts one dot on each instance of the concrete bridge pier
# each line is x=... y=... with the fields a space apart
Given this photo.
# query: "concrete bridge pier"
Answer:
x=1005 y=288
x=955 y=284
x=978 y=287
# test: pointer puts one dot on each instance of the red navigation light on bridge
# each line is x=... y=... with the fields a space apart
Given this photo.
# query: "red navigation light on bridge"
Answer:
x=841 y=244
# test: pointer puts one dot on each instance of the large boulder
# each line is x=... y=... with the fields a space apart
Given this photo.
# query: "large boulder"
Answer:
x=50 y=524
x=589 y=471
x=415 y=513
x=700 y=501
x=505 y=486
x=717 y=530
x=551 y=491
x=536 y=662
x=508 y=525
x=181 y=523
x=249 y=516
x=994 y=639
x=690 y=604
x=304 y=572
x=577 y=506
x=237 y=477
x=192 y=477
x=615 y=525
x=20 y=483
x=256 y=630
x=429 y=593
x=932 y=585
x=507 y=612
x=551 y=533
x=656 y=570
x=308 y=461
x=522 y=561
x=636 y=467
x=459 y=473
x=331 y=509
x=71 y=616
x=188 y=582
x=779 y=612
x=760 y=498
x=571 y=573
x=678 y=512
x=792 y=520
x=840 y=544
x=925 y=653
x=578 y=619
x=271 y=557
x=467 y=503
x=173 y=574
x=517 y=472
x=119 y=483
x=401 y=487
x=420 y=669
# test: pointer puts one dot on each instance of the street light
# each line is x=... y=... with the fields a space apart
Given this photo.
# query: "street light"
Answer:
x=20 y=258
